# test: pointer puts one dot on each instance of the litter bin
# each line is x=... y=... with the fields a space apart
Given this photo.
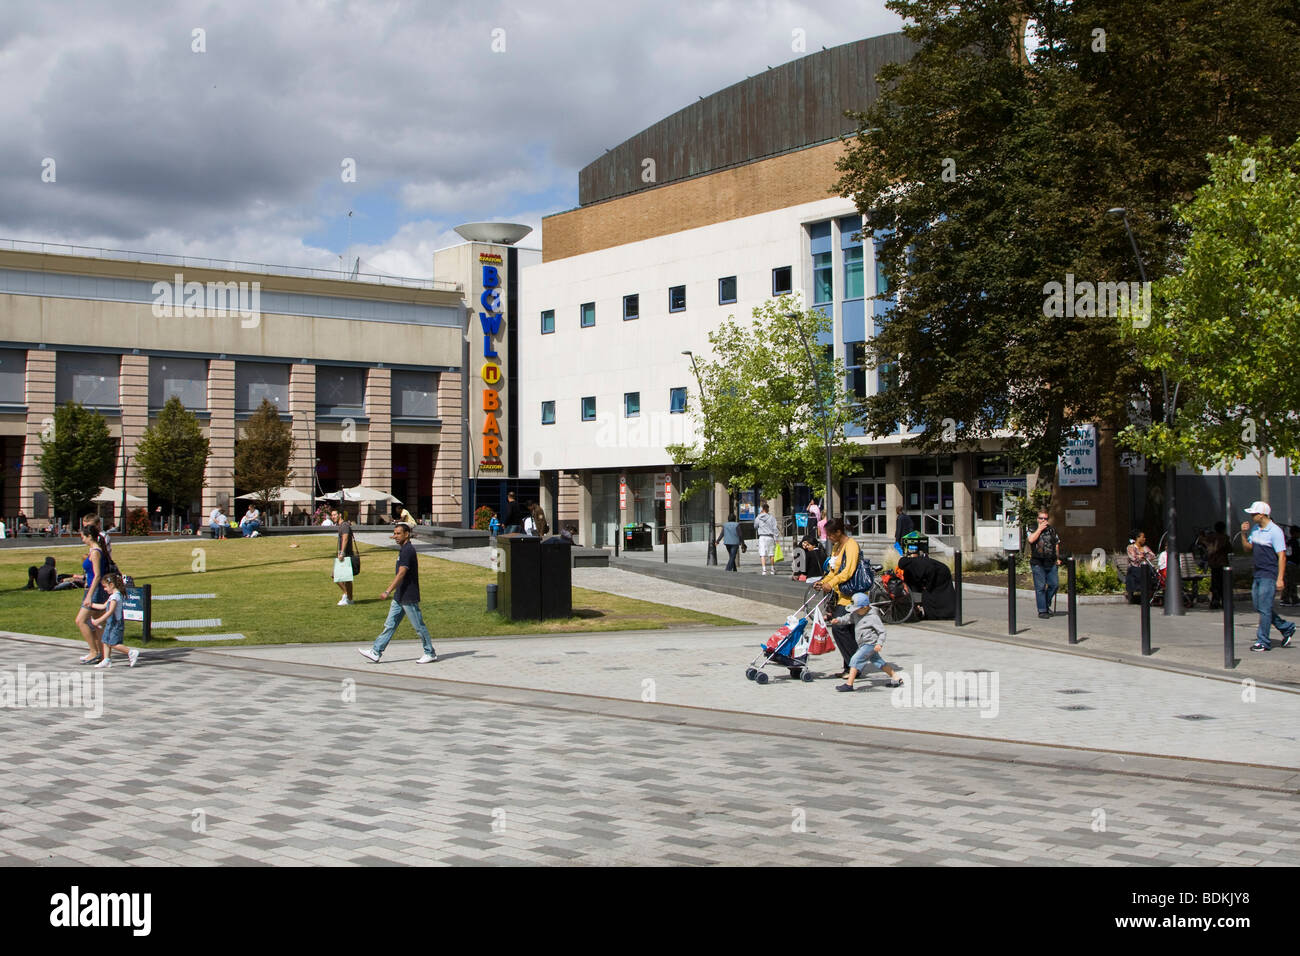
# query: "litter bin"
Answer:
x=915 y=543
x=636 y=537
x=519 y=583
x=556 y=578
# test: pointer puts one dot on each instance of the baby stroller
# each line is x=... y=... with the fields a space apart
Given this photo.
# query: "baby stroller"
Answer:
x=804 y=633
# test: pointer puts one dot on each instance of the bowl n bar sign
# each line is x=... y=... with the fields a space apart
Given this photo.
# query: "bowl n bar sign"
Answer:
x=490 y=318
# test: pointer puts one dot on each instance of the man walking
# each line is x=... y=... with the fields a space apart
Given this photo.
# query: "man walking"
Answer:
x=1268 y=545
x=405 y=590
x=730 y=536
x=766 y=530
x=346 y=548
x=514 y=515
x=902 y=525
x=1044 y=559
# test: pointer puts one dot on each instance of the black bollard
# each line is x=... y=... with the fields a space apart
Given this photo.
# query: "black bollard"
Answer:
x=665 y=530
x=1071 y=601
x=1011 y=592
x=1146 y=611
x=147 y=592
x=618 y=533
x=1229 y=623
x=956 y=583
x=491 y=597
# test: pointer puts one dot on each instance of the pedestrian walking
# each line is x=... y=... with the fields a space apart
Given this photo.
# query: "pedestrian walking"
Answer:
x=902 y=525
x=112 y=623
x=766 y=530
x=93 y=567
x=730 y=536
x=1044 y=560
x=514 y=520
x=845 y=555
x=869 y=636
x=405 y=591
x=346 y=560
x=1268 y=545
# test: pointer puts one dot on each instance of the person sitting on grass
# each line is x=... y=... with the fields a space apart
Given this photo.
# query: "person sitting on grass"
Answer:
x=113 y=623
x=869 y=631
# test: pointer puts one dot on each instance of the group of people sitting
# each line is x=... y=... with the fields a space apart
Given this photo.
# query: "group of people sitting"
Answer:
x=249 y=526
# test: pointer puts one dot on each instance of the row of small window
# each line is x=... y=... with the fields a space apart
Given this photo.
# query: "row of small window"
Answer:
x=782 y=283
x=631 y=406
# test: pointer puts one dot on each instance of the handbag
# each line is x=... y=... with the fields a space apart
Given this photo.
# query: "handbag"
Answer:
x=342 y=570
x=860 y=580
x=356 y=564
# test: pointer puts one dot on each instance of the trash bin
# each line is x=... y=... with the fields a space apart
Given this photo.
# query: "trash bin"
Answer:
x=915 y=543
x=636 y=537
x=556 y=578
x=519 y=582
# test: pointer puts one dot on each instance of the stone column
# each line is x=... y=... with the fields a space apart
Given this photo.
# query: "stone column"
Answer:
x=221 y=437
x=377 y=465
x=447 y=480
x=133 y=396
x=546 y=500
x=585 y=530
x=893 y=491
x=302 y=411
x=963 y=501
x=673 y=518
x=41 y=372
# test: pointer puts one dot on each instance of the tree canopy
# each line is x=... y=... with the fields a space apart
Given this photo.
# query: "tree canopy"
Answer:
x=173 y=454
x=75 y=459
x=262 y=455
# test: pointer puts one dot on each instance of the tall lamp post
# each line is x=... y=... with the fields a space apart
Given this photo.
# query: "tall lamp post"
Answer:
x=1173 y=574
x=712 y=556
x=821 y=401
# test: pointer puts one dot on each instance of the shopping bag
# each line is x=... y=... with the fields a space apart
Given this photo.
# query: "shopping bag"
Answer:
x=821 y=641
x=342 y=570
x=775 y=640
x=778 y=555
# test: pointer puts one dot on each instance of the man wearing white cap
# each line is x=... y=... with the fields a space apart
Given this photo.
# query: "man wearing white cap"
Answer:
x=1268 y=544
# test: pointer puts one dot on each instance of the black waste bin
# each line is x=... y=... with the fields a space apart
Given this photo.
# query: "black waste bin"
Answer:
x=557 y=578
x=637 y=538
x=519 y=582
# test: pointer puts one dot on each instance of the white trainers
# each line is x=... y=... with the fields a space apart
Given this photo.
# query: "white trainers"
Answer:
x=132 y=655
x=106 y=662
x=343 y=601
x=369 y=655
x=427 y=659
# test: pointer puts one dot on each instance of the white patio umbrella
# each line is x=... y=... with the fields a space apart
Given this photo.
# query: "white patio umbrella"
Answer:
x=290 y=496
x=112 y=496
x=359 y=493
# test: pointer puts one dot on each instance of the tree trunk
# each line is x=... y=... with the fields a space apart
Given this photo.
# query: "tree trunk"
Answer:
x=1153 y=510
x=1263 y=475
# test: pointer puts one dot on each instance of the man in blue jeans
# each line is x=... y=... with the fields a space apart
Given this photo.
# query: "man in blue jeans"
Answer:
x=405 y=590
x=1268 y=545
x=1044 y=558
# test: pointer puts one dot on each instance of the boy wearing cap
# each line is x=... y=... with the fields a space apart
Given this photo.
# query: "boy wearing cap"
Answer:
x=869 y=631
x=1268 y=544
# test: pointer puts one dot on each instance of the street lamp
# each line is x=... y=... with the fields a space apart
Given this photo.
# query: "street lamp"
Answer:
x=1173 y=574
x=712 y=556
x=821 y=401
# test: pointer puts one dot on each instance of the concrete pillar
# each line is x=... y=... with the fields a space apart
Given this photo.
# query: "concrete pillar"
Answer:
x=220 y=475
x=721 y=505
x=41 y=371
x=585 y=536
x=377 y=464
x=302 y=410
x=133 y=397
x=447 y=478
x=546 y=500
x=893 y=490
x=673 y=518
x=963 y=501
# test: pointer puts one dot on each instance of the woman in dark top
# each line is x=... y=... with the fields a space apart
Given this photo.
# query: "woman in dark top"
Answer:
x=94 y=566
x=933 y=581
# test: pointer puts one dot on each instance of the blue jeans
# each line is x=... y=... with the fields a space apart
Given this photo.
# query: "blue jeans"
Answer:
x=867 y=654
x=1262 y=593
x=1046 y=584
x=395 y=614
x=733 y=551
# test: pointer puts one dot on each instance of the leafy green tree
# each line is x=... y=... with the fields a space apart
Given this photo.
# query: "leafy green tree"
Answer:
x=262 y=455
x=75 y=459
x=1228 y=321
x=987 y=173
x=173 y=454
x=762 y=417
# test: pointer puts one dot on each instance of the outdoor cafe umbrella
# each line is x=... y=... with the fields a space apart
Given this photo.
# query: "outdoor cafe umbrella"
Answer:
x=112 y=496
x=290 y=496
x=360 y=493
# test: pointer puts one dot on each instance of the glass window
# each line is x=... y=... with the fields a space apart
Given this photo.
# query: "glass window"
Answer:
x=631 y=307
x=886 y=377
x=677 y=298
x=882 y=279
x=415 y=394
x=782 y=280
x=184 y=378
x=589 y=408
x=548 y=321
x=548 y=413
x=339 y=391
x=822 y=289
x=820 y=230
x=255 y=381
x=631 y=404
x=13 y=377
x=587 y=314
x=853 y=272
x=677 y=400
x=727 y=290
x=88 y=378
x=857 y=383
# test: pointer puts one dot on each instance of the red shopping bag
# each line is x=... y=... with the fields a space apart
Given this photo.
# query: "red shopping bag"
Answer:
x=821 y=642
x=775 y=640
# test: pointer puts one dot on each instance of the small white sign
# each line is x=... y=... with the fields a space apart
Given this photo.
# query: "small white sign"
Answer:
x=1084 y=518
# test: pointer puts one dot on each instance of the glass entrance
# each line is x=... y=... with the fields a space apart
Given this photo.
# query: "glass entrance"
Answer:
x=864 y=500
x=928 y=494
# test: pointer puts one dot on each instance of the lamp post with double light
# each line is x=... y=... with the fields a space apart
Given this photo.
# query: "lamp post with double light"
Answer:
x=712 y=556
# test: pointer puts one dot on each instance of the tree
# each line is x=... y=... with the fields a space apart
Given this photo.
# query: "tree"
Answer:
x=262 y=455
x=761 y=417
x=173 y=454
x=75 y=459
x=1227 y=322
x=986 y=173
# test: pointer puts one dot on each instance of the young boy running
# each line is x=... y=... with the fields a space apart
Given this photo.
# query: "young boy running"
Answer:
x=869 y=631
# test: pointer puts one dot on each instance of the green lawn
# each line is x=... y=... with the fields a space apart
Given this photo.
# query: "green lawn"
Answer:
x=278 y=590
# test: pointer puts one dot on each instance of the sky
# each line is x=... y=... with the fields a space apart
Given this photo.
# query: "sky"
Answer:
x=248 y=130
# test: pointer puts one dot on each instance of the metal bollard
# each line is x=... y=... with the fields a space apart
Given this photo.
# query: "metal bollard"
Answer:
x=491 y=597
x=1146 y=611
x=617 y=535
x=956 y=583
x=1229 y=623
x=1011 y=592
x=665 y=545
x=1071 y=602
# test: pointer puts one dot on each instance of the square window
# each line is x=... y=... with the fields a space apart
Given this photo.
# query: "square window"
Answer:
x=677 y=400
x=588 y=314
x=727 y=290
x=589 y=408
x=631 y=404
x=548 y=321
x=782 y=280
x=548 y=413
x=631 y=307
x=677 y=299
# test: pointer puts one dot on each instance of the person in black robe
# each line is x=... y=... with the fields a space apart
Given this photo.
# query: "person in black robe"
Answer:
x=933 y=581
